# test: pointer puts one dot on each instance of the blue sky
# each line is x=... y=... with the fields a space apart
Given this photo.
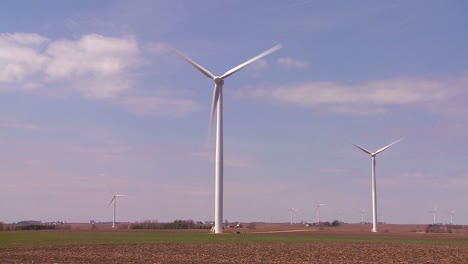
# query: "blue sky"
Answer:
x=91 y=102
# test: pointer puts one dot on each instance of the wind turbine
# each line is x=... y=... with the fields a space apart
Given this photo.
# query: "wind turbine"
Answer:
x=317 y=211
x=293 y=212
x=362 y=215
x=374 y=191
x=451 y=216
x=114 y=199
x=217 y=106
x=434 y=212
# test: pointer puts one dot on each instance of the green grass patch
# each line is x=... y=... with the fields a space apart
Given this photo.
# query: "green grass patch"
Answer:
x=43 y=239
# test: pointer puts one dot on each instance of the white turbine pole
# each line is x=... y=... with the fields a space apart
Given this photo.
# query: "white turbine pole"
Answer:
x=219 y=165
x=374 y=191
x=217 y=108
x=317 y=211
x=318 y=214
x=113 y=212
x=362 y=216
x=374 y=197
x=114 y=207
x=434 y=212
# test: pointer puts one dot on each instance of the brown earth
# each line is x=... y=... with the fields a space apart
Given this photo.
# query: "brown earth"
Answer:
x=308 y=252
x=241 y=253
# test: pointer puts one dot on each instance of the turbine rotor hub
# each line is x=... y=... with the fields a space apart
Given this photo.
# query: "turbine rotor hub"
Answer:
x=218 y=80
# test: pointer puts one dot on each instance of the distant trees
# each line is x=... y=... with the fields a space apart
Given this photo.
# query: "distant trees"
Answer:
x=177 y=224
x=334 y=223
x=35 y=227
x=439 y=228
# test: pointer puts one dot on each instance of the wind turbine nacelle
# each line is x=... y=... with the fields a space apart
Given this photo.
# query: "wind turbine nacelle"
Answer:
x=218 y=81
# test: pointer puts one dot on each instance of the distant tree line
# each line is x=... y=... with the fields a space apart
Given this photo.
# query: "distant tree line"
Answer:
x=334 y=223
x=440 y=228
x=35 y=227
x=177 y=224
x=32 y=225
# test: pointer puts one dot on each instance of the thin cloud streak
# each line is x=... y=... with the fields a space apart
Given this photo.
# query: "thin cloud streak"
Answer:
x=291 y=63
x=371 y=97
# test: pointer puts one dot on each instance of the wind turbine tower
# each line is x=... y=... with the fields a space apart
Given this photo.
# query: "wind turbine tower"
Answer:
x=293 y=212
x=451 y=216
x=374 y=191
x=434 y=213
x=317 y=211
x=217 y=108
x=114 y=200
x=362 y=215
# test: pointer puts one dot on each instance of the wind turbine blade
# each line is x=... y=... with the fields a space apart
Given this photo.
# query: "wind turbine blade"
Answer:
x=240 y=66
x=194 y=64
x=386 y=147
x=363 y=149
x=214 y=104
x=113 y=198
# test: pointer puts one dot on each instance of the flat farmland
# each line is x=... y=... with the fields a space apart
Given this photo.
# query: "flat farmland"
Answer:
x=288 y=244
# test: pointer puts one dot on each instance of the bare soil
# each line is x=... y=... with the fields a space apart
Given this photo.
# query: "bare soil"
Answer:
x=240 y=253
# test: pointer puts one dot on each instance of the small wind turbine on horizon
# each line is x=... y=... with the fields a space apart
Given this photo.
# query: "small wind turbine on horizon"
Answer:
x=293 y=212
x=374 y=191
x=434 y=213
x=217 y=109
x=451 y=216
x=363 y=211
x=114 y=199
x=317 y=210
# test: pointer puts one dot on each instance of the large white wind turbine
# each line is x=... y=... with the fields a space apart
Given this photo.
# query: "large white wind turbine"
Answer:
x=374 y=191
x=217 y=106
x=317 y=211
x=114 y=199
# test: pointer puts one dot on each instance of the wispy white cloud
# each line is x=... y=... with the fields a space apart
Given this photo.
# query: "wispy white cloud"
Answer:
x=289 y=62
x=91 y=54
x=20 y=56
x=371 y=97
x=258 y=66
x=95 y=65
x=92 y=66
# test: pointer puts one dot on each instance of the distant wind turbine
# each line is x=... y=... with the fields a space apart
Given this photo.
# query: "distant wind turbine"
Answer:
x=293 y=212
x=217 y=106
x=434 y=212
x=114 y=199
x=451 y=216
x=374 y=191
x=363 y=211
x=317 y=210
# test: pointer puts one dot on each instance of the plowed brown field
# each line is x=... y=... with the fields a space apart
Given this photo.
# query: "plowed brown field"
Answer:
x=241 y=253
